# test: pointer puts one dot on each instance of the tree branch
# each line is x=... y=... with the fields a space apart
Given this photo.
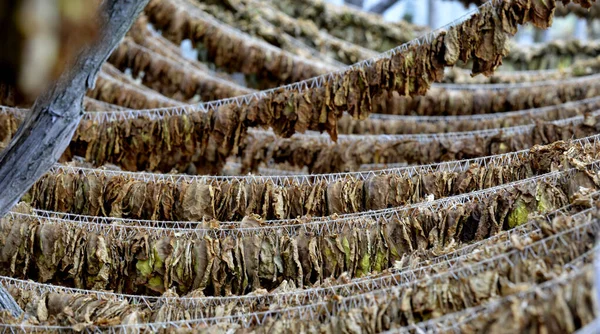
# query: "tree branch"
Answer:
x=48 y=128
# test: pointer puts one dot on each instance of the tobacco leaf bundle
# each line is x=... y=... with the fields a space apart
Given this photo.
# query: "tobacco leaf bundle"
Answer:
x=554 y=54
x=231 y=200
x=72 y=255
x=564 y=308
x=115 y=73
x=251 y=15
x=318 y=108
x=579 y=68
x=272 y=66
x=170 y=78
x=172 y=142
x=251 y=22
x=309 y=33
x=550 y=57
x=583 y=8
x=203 y=141
x=145 y=144
x=78 y=311
x=321 y=155
x=443 y=101
x=142 y=35
x=355 y=26
x=403 y=305
x=207 y=139
x=9 y=124
x=590 y=11
x=403 y=125
x=90 y=104
x=461 y=76
x=114 y=91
